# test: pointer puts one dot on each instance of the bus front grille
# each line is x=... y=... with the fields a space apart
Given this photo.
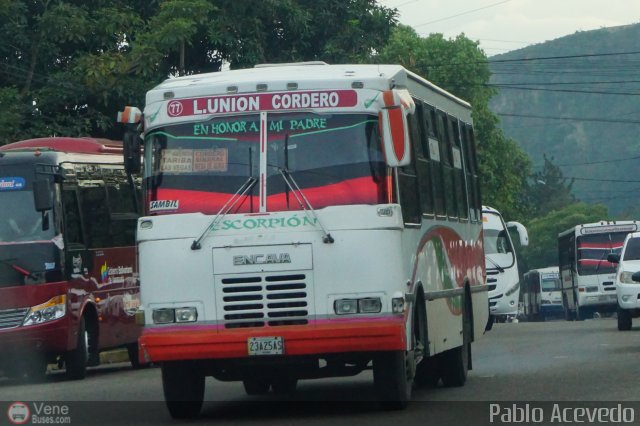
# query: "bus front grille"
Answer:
x=267 y=300
x=11 y=318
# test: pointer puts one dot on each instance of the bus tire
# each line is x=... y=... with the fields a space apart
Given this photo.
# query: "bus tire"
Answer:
x=76 y=360
x=392 y=378
x=183 y=388
x=580 y=313
x=427 y=374
x=256 y=386
x=134 y=359
x=624 y=319
x=456 y=361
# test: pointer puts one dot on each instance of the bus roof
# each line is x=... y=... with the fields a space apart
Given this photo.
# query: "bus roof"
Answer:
x=304 y=75
x=602 y=227
x=84 y=145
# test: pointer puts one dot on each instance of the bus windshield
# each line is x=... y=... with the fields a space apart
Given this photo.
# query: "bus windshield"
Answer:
x=20 y=220
x=335 y=159
x=551 y=283
x=593 y=250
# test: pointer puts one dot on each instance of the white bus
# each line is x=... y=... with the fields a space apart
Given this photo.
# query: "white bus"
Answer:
x=541 y=294
x=588 y=278
x=307 y=221
x=503 y=277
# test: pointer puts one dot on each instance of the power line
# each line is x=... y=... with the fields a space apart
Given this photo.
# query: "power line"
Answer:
x=462 y=13
x=591 y=119
x=613 y=160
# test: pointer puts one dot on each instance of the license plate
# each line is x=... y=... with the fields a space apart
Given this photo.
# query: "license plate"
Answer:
x=265 y=345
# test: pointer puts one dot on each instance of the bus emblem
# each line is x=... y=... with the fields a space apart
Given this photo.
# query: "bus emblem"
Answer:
x=261 y=259
x=174 y=109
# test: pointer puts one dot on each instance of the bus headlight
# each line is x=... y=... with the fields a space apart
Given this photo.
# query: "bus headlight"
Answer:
x=345 y=306
x=625 y=277
x=52 y=309
x=170 y=315
x=163 y=316
x=186 y=314
x=370 y=305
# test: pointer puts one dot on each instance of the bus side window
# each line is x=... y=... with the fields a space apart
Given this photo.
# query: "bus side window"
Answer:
x=423 y=163
x=436 y=163
x=408 y=179
x=72 y=222
x=458 y=171
x=447 y=165
x=471 y=170
x=95 y=212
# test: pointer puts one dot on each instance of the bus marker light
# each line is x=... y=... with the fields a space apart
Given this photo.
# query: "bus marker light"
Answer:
x=146 y=224
x=397 y=305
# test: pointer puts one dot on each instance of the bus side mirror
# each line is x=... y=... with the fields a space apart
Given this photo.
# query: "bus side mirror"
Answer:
x=131 y=151
x=613 y=258
x=42 y=195
x=522 y=232
x=395 y=136
x=636 y=277
x=131 y=117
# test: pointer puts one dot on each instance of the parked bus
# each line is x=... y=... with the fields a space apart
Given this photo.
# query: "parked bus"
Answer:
x=503 y=277
x=306 y=221
x=588 y=278
x=541 y=294
x=68 y=274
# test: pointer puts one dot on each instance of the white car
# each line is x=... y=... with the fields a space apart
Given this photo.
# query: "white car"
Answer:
x=627 y=290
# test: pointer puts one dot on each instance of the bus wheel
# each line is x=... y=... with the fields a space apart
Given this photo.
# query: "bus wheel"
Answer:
x=455 y=362
x=624 y=319
x=76 y=360
x=183 y=387
x=256 y=386
x=427 y=374
x=284 y=385
x=580 y=313
x=392 y=378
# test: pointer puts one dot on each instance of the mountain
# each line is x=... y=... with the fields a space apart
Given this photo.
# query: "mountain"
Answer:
x=577 y=99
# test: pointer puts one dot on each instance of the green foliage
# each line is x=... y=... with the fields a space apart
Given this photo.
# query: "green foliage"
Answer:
x=544 y=230
x=459 y=66
x=67 y=66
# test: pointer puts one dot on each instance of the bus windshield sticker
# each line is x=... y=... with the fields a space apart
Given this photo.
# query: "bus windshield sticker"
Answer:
x=194 y=160
x=12 y=183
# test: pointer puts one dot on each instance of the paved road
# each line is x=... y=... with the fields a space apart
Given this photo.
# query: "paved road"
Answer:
x=517 y=362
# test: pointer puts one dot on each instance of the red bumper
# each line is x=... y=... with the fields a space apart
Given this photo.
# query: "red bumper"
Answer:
x=50 y=337
x=188 y=342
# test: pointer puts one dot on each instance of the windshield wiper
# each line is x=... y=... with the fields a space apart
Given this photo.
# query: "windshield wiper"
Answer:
x=498 y=267
x=240 y=193
x=17 y=268
x=306 y=206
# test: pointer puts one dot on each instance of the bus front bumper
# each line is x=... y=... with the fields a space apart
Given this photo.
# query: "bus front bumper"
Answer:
x=206 y=341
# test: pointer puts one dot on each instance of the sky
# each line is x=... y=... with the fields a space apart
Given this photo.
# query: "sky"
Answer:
x=504 y=25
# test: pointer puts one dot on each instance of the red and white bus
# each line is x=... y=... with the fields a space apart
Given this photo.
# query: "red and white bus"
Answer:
x=588 y=278
x=68 y=273
x=306 y=221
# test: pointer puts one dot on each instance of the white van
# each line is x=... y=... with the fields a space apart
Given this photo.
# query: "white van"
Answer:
x=627 y=290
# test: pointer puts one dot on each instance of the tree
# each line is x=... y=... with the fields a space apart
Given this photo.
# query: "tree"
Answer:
x=460 y=66
x=544 y=230
x=549 y=190
x=67 y=66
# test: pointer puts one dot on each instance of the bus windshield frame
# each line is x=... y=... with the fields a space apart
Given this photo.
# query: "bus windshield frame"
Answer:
x=336 y=159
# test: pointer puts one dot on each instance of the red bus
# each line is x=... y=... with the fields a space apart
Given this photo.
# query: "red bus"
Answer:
x=69 y=283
